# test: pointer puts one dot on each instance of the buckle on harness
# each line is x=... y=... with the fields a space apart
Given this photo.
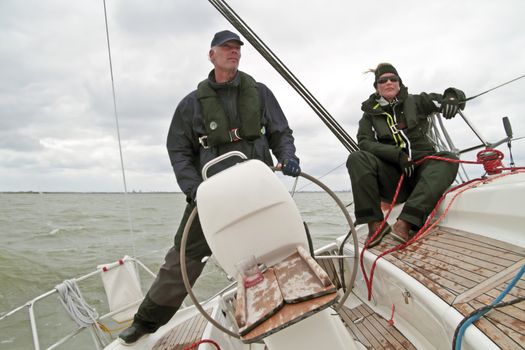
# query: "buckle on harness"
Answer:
x=396 y=128
x=234 y=135
x=393 y=129
x=203 y=140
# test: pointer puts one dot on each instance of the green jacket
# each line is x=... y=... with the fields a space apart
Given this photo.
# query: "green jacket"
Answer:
x=379 y=127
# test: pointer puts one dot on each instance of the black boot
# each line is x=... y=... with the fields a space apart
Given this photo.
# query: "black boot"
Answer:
x=149 y=317
x=134 y=332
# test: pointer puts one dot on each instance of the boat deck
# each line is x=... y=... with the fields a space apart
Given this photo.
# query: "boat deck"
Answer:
x=366 y=326
x=465 y=270
x=362 y=322
x=468 y=271
x=373 y=330
x=183 y=335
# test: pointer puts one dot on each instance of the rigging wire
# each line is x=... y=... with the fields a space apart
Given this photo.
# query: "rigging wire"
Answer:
x=279 y=66
x=320 y=177
x=494 y=88
x=118 y=128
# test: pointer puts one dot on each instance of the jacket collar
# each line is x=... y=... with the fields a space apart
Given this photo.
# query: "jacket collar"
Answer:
x=232 y=83
x=376 y=105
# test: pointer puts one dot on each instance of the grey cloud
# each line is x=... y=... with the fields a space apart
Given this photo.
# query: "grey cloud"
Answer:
x=56 y=84
x=16 y=141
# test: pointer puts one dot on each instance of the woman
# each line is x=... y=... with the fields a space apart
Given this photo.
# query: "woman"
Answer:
x=392 y=135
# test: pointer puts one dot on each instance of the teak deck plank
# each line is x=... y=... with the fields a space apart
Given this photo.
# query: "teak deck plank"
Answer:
x=369 y=335
x=346 y=316
x=358 y=312
x=185 y=338
x=481 y=264
x=488 y=327
x=372 y=330
x=376 y=332
x=478 y=250
x=502 y=316
x=183 y=335
x=491 y=283
x=383 y=335
x=452 y=262
x=486 y=240
x=512 y=310
x=455 y=268
x=438 y=272
x=470 y=253
x=400 y=338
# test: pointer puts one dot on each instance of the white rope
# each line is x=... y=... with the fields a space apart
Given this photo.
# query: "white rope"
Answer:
x=79 y=310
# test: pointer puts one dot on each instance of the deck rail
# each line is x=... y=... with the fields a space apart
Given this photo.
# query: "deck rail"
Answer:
x=30 y=306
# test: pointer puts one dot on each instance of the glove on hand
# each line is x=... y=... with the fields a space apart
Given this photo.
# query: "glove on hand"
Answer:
x=291 y=168
x=449 y=106
x=407 y=165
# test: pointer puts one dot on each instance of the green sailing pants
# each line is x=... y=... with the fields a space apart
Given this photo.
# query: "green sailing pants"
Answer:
x=374 y=180
x=167 y=292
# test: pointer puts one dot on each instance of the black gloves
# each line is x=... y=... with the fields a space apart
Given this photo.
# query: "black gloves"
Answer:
x=291 y=168
x=449 y=106
x=453 y=101
x=407 y=165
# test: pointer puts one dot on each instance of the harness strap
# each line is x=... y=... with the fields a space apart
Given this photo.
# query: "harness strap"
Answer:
x=232 y=133
x=216 y=121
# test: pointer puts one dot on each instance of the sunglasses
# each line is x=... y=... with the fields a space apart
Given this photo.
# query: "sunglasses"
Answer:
x=393 y=79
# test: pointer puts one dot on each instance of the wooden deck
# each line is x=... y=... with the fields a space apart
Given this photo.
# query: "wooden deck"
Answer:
x=363 y=323
x=373 y=330
x=465 y=270
x=183 y=335
x=468 y=272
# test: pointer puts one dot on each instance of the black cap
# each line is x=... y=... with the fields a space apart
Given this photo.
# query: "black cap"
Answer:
x=224 y=36
x=383 y=68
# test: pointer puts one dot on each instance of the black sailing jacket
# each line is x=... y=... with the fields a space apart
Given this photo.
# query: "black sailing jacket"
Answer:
x=376 y=136
x=188 y=156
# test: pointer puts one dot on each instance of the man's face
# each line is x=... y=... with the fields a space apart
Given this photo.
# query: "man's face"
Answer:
x=226 y=57
x=388 y=86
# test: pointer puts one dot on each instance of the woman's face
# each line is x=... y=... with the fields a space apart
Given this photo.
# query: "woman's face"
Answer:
x=388 y=86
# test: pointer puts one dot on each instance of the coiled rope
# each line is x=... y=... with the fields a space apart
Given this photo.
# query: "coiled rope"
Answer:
x=79 y=310
x=491 y=161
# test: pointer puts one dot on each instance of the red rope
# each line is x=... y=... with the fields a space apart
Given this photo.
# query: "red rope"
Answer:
x=368 y=282
x=197 y=343
x=390 y=322
x=491 y=161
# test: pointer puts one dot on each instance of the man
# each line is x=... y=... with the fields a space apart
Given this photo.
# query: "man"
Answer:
x=392 y=135
x=228 y=111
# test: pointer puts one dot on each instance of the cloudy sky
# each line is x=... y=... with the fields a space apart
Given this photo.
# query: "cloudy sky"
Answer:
x=57 y=127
